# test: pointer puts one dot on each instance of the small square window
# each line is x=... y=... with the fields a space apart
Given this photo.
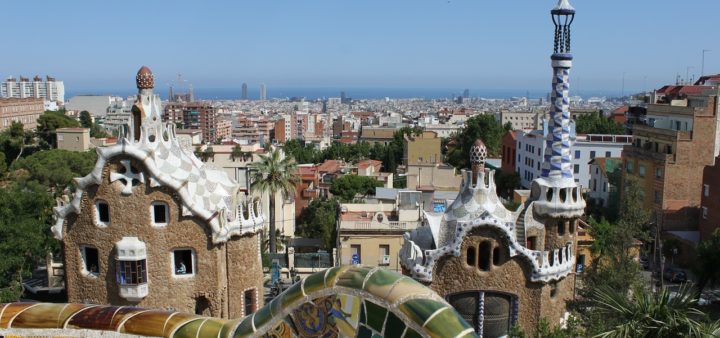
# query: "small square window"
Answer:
x=658 y=172
x=577 y=153
x=658 y=197
x=159 y=213
x=641 y=170
x=592 y=154
x=607 y=154
x=183 y=262
x=102 y=213
x=576 y=169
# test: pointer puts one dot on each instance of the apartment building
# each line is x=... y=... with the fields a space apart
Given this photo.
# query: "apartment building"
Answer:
x=673 y=143
x=25 y=111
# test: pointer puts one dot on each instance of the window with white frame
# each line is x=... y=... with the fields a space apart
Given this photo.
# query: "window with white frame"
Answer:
x=131 y=267
x=90 y=261
x=159 y=213
x=102 y=213
x=183 y=262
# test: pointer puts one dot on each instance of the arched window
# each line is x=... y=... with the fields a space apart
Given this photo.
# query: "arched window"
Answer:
x=491 y=314
x=561 y=228
x=102 y=213
x=471 y=255
x=485 y=255
x=497 y=256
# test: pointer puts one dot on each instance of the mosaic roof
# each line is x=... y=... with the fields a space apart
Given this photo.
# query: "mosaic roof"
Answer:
x=206 y=192
x=478 y=206
x=347 y=301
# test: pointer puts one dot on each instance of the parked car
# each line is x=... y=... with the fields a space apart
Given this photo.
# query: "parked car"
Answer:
x=674 y=276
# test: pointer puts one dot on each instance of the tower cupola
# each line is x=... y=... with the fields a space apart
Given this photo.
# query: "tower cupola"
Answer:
x=562 y=15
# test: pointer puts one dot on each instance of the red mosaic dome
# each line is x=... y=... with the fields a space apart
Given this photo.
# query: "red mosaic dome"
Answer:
x=145 y=78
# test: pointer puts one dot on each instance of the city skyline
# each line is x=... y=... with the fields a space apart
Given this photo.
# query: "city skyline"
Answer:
x=434 y=44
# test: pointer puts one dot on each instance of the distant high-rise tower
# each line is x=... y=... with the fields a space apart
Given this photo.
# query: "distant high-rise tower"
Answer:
x=263 y=92
x=244 y=91
x=343 y=97
x=466 y=94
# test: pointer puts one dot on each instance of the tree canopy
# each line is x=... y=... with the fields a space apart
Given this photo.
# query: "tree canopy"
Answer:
x=484 y=127
x=14 y=141
x=48 y=123
x=56 y=168
x=595 y=123
x=348 y=186
x=318 y=220
x=25 y=220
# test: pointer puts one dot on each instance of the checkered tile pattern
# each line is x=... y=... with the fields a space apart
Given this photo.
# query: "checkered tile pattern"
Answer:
x=558 y=160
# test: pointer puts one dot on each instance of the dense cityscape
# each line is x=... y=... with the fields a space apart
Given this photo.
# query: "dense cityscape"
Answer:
x=460 y=213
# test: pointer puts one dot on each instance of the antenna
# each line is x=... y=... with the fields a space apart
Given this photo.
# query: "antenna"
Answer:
x=702 y=71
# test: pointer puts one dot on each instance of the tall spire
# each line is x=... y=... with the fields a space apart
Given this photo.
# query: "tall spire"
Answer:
x=555 y=193
x=558 y=158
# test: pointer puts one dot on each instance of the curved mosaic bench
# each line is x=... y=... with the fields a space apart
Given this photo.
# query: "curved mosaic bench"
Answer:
x=347 y=301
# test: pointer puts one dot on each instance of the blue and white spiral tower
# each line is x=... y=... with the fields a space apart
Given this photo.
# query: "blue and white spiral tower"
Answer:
x=555 y=192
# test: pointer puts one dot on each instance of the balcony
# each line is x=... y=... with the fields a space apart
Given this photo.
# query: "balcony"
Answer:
x=311 y=193
x=378 y=226
x=635 y=152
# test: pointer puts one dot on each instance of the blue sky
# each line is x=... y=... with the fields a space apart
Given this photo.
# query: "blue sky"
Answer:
x=502 y=44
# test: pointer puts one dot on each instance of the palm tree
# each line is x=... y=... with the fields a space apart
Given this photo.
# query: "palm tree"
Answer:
x=648 y=314
x=707 y=261
x=237 y=153
x=274 y=174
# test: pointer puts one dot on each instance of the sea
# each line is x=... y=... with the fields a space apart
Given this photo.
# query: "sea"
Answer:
x=354 y=93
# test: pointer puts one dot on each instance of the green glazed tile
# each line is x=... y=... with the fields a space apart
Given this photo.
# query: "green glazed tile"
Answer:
x=470 y=335
x=291 y=295
x=353 y=278
x=190 y=330
x=446 y=323
x=228 y=326
x=332 y=274
x=363 y=317
x=412 y=334
x=314 y=282
x=406 y=286
x=261 y=317
x=364 y=332
x=211 y=328
x=375 y=316
x=275 y=306
x=381 y=281
x=245 y=328
x=394 y=326
x=419 y=310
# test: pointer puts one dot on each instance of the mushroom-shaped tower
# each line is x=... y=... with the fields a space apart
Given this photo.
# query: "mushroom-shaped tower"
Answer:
x=145 y=78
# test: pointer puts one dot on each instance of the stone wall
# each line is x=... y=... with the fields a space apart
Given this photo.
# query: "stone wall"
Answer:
x=512 y=276
x=244 y=271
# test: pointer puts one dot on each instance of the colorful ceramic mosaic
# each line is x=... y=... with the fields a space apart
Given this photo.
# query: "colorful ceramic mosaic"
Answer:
x=346 y=301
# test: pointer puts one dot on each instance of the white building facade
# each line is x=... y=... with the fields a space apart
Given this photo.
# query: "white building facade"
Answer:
x=48 y=89
x=531 y=146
